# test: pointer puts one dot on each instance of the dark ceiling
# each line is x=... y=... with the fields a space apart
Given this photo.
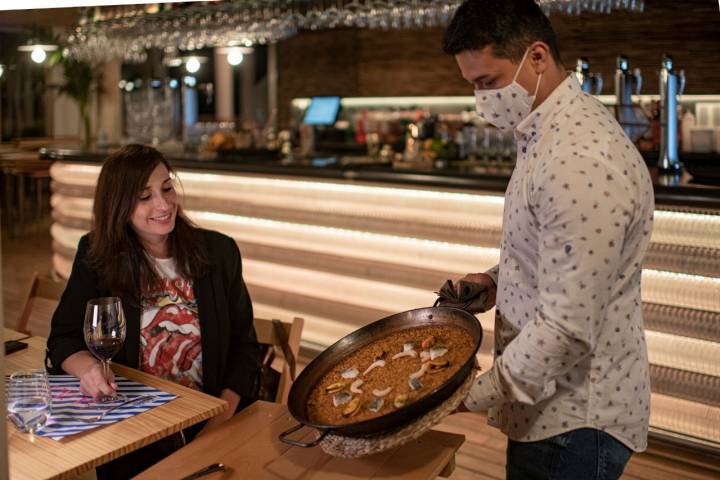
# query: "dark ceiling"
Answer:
x=42 y=17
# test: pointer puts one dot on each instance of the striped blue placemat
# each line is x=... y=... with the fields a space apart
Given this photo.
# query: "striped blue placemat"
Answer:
x=69 y=405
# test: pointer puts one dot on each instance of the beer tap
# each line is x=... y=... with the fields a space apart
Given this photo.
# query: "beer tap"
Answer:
x=591 y=83
x=672 y=84
x=627 y=84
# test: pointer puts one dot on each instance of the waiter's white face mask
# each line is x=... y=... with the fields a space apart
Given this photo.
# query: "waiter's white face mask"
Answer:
x=506 y=107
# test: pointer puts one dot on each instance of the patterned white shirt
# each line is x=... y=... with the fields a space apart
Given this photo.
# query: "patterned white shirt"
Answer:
x=569 y=340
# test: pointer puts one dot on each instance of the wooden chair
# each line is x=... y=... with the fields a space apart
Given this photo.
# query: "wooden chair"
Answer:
x=42 y=287
x=267 y=335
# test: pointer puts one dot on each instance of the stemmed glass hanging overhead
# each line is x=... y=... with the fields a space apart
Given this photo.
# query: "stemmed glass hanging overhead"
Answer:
x=127 y=32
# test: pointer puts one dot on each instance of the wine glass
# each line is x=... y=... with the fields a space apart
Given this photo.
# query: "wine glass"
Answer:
x=28 y=400
x=104 y=331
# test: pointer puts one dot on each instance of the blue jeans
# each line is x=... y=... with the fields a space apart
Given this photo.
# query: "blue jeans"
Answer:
x=584 y=454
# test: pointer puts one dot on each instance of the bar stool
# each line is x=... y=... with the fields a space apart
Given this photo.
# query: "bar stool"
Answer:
x=8 y=209
x=30 y=194
x=24 y=176
x=40 y=180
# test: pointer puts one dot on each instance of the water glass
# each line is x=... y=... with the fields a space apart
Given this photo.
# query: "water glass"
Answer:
x=28 y=400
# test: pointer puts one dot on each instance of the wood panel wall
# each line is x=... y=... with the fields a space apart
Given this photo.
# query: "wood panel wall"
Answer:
x=353 y=62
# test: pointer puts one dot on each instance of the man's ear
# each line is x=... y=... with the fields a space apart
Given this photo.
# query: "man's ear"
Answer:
x=540 y=58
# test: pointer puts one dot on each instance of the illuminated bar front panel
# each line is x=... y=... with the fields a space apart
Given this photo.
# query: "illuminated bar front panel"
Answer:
x=343 y=254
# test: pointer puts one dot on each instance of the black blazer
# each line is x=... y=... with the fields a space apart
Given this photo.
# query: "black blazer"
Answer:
x=230 y=351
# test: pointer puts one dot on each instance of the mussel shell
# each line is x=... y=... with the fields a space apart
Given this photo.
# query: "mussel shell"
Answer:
x=439 y=363
x=352 y=408
x=335 y=387
x=415 y=383
x=341 y=398
x=376 y=404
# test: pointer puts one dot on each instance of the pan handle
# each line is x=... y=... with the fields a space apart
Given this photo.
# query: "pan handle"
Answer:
x=463 y=307
x=284 y=437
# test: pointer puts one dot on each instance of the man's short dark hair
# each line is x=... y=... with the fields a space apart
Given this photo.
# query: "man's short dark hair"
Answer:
x=510 y=26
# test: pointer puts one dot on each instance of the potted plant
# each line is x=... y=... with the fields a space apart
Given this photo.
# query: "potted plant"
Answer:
x=81 y=79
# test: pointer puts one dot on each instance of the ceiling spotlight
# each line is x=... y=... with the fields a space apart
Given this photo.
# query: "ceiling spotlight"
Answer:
x=2 y=70
x=192 y=65
x=234 y=56
x=38 y=52
x=38 y=55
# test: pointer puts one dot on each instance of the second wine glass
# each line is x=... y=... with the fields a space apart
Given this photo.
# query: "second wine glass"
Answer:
x=104 y=331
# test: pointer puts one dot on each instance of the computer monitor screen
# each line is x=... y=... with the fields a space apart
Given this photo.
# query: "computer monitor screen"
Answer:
x=322 y=111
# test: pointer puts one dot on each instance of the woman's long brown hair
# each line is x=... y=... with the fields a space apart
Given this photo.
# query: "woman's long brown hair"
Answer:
x=116 y=253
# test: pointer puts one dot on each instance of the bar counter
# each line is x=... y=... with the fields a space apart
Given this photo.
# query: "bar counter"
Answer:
x=345 y=246
x=670 y=191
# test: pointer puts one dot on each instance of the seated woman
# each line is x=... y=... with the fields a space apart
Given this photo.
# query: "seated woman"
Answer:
x=188 y=313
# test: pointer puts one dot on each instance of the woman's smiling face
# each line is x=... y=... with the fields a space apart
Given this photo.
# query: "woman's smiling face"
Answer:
x=155 y=209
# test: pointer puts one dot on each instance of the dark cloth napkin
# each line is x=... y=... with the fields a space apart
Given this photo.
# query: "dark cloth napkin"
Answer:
x=472 y=296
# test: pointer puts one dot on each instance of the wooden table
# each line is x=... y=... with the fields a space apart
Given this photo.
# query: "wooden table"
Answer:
x=248 y=445
x=11 y=334
x=39 y=457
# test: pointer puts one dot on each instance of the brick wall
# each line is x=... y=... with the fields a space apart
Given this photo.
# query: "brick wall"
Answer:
x=351 y=62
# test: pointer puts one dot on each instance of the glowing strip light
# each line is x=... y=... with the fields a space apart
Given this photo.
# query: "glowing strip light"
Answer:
x=689 y=229
x=75 y=173
x=72 y=207
x=456 y=209
x=446 y=209
x=675 y=228
x=612 y=99
x=432 y=213
x=312 y=283
x=666 y=288
x=61 y=265
x=67 y=237
x=442 y=256
x=304 y=187
x=683 y=416
x=681 y=289
x=683 y=353
x=348 y=290
x=469 y=101
x=64 y=173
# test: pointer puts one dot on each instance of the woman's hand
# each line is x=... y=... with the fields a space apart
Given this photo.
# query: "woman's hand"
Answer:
x=485 y=280
x=94 y=384
x=90 y=372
